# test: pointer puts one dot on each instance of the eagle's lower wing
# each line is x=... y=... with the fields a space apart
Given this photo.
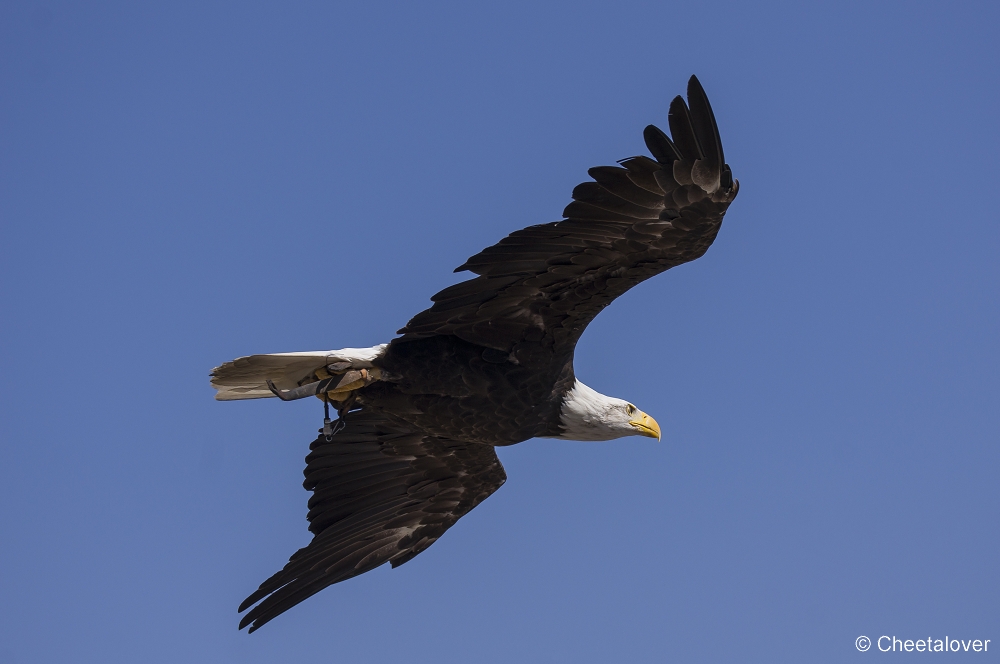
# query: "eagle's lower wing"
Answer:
x=545 y=283
x=381 y=493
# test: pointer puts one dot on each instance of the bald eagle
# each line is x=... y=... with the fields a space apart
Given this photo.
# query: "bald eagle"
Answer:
x=489 y=364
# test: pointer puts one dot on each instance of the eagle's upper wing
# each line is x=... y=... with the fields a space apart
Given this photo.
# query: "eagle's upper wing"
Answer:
x=381 y=493
x=545 y=283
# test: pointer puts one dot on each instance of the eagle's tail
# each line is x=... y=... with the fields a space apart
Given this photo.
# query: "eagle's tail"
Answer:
x=246 y=377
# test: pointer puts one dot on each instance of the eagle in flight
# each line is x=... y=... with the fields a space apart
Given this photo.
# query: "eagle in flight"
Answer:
x=489 y=364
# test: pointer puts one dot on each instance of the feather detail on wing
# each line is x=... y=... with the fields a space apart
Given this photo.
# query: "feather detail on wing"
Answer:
x=381 y=493
x=543 y=284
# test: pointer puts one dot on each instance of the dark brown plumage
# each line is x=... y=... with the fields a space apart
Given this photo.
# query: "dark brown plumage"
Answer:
x=381 y=493
x=490 y=362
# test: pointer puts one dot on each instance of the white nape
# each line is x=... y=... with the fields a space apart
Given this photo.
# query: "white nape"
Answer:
x=589 y=415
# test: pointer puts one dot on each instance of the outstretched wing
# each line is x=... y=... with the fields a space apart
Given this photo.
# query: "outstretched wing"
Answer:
x=545 y=283
x=381 y=493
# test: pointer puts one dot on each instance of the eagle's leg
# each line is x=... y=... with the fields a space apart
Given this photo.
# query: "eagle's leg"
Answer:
x=341 y=387
x=338 y=386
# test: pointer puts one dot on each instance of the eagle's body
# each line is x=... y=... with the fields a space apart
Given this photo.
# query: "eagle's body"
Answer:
x=490 y=364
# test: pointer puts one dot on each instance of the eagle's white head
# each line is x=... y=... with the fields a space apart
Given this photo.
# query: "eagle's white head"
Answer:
x=589 y=415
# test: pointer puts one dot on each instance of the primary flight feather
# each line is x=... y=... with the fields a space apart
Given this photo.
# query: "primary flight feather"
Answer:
x=489 y=364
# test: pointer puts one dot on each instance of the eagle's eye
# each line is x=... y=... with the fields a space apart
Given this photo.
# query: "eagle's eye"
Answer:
x=630 y=409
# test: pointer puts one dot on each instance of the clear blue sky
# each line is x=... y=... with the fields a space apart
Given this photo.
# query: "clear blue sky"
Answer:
x=186 y=183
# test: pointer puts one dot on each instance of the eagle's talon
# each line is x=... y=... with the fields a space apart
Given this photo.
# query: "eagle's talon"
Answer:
x=276 y=392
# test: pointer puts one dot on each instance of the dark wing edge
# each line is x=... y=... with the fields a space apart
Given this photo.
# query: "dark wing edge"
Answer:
x=381 y=493
x=632 y=222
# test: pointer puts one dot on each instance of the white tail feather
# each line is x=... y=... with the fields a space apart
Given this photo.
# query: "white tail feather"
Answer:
x=246 y=377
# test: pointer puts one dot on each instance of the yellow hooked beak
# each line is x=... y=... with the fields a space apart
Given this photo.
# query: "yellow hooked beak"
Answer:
x=645 y=425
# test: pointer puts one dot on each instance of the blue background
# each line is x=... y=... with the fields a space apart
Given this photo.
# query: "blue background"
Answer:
x=187 y=183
